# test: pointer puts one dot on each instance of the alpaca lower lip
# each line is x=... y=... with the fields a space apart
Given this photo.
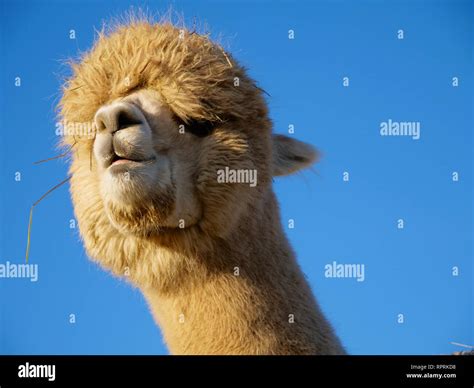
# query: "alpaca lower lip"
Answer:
x=128 y=163
x=124 y=161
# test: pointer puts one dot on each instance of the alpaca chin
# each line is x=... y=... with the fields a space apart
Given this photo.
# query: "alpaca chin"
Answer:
x=140 y=219
x=139 y=201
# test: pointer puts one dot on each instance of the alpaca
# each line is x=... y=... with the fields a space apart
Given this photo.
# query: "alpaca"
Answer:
x=170 y=111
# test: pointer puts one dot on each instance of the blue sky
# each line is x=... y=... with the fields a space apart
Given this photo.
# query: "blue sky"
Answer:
x=408 y=271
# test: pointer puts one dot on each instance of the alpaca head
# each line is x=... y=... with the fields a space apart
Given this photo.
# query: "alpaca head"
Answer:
x=167 y=111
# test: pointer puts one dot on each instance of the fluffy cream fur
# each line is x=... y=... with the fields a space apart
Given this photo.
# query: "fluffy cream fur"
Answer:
x=211 y=258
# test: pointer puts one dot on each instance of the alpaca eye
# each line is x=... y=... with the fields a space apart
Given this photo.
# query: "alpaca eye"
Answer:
x=199 y=128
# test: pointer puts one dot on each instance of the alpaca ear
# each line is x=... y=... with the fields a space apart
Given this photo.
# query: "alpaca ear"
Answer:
x=290 y=155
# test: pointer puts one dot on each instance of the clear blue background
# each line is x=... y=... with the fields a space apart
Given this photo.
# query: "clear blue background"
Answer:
x=407 y=271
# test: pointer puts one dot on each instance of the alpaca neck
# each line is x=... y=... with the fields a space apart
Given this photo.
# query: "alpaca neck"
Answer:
x=256 y=303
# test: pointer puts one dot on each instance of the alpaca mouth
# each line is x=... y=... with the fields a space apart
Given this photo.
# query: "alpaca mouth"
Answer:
x=117 y=160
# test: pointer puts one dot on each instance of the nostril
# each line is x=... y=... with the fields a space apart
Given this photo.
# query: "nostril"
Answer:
x=102 y=120
x=114 y=117
x=100 y=125
x=126 y=119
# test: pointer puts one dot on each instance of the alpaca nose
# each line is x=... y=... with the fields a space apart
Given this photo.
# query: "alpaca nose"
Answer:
x=117 y=116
